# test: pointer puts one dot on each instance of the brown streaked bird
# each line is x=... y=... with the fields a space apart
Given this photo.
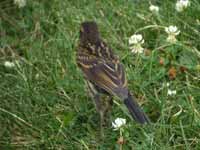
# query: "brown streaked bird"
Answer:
x=104 y=73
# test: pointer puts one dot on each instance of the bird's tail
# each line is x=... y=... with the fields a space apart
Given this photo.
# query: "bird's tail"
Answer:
x=135 y=110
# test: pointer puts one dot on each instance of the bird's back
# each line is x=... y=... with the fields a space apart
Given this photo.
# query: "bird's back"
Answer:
x=99 y=50
x=102 y=67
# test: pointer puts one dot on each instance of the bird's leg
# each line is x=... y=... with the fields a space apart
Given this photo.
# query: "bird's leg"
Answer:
x=100 y=110
x=107 y=110
x=110 y=102
x=103 y=106
x=98 y=104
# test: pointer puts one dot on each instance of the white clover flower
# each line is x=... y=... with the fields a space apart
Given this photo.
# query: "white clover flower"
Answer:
x=171 y=92
x=172 y=32
x=137 y=49
x=154 y=9
x=118 y=123
x=20 y=3
x=9 y=64
x=182 y=4
x=136 y=41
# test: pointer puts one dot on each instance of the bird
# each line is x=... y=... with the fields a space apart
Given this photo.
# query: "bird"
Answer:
x=104 y=74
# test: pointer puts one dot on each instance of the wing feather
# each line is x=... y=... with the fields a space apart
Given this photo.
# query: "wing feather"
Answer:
x=106 y=74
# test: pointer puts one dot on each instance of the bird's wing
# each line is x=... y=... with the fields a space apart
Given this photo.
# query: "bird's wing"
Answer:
x=106 y=74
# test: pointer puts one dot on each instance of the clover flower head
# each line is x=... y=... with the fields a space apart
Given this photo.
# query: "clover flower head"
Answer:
x=20 y=3
x=154 y=9
x=9 y=64
x=137 y=49
x=118 y=123
x=182 y=4
x=136 y=41
x=171 y=92
x=172 y=32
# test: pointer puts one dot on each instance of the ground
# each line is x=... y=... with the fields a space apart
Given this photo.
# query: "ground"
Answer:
x=44 y=102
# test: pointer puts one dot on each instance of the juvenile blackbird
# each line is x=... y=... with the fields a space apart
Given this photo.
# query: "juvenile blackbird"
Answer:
x=104 y=73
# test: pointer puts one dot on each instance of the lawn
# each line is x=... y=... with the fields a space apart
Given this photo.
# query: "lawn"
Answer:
x=44 y=103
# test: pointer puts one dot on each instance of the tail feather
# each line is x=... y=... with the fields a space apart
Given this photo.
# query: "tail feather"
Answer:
x=135 y=110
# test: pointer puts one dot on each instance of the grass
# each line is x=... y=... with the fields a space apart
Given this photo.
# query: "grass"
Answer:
x=43 y=101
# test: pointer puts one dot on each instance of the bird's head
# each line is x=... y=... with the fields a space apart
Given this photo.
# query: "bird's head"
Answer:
x=89 y=32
